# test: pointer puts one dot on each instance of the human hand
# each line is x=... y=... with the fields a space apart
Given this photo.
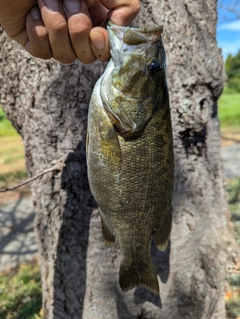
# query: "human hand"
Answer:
x=65 y=30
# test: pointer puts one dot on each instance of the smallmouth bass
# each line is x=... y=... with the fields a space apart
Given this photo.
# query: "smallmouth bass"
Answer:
x=130 y=151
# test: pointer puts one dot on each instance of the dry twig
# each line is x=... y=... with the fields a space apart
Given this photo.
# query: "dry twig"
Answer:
x=57 y=167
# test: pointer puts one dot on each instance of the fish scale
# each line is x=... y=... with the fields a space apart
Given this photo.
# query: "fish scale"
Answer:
x=130 y=151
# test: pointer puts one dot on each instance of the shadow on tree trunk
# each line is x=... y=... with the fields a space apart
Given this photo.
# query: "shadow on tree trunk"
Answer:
x=69 y=289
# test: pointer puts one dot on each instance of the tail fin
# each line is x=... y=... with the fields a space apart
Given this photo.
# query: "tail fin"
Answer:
x=130 y=277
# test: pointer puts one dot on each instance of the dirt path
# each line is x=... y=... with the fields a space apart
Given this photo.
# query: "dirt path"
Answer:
x=230 y=158
x=17 y=237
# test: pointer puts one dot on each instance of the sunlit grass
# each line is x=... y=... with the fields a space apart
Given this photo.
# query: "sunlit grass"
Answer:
x=233 y=307
x=20 y=293
x=233 y=187
x=229 y=110
x=12 y=161
x=6 y=128
x=233 y=285
x=10 y=177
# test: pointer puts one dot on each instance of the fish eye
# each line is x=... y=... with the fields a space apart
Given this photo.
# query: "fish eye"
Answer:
x=154 y=68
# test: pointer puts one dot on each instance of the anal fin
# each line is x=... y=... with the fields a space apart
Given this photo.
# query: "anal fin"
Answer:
x=162 y=234
x=108 y=234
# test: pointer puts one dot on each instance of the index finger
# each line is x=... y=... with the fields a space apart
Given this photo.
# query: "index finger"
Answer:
x=122 y=12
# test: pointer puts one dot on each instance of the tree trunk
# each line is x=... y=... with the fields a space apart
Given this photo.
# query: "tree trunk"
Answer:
x=47 y=103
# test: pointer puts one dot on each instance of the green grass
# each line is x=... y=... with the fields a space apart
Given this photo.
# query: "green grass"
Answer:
x=233 y=285
x=10 y=177
x=233 y=308
x=233 y=187
x=229 y=109
x=12 y=161
x=6 y=128
x=20 y=293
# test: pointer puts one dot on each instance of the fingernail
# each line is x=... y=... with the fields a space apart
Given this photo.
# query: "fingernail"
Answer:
x=35 y=13
x=72 y=6
x=97 y=40
x=52 y=5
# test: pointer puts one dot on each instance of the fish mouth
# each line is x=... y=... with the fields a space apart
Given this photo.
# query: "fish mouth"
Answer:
x=135 y=36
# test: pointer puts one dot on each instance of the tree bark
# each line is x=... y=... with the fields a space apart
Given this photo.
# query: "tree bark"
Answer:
x=48 y=102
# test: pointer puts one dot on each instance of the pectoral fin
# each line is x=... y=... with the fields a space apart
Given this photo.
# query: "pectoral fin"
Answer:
x=162 y=234
x=108 y=233
x=109 y=145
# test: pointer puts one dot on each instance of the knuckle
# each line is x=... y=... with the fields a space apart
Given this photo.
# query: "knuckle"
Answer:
x=91 y=3
x=80 y=31
x=59 y=26
x=136 y=6
x=41 y=34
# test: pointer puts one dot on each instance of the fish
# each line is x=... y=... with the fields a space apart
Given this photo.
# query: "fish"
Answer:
x=129 y=151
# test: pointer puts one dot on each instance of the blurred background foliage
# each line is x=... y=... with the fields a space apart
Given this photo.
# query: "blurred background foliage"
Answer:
x=229 y=102
x=232 y=68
